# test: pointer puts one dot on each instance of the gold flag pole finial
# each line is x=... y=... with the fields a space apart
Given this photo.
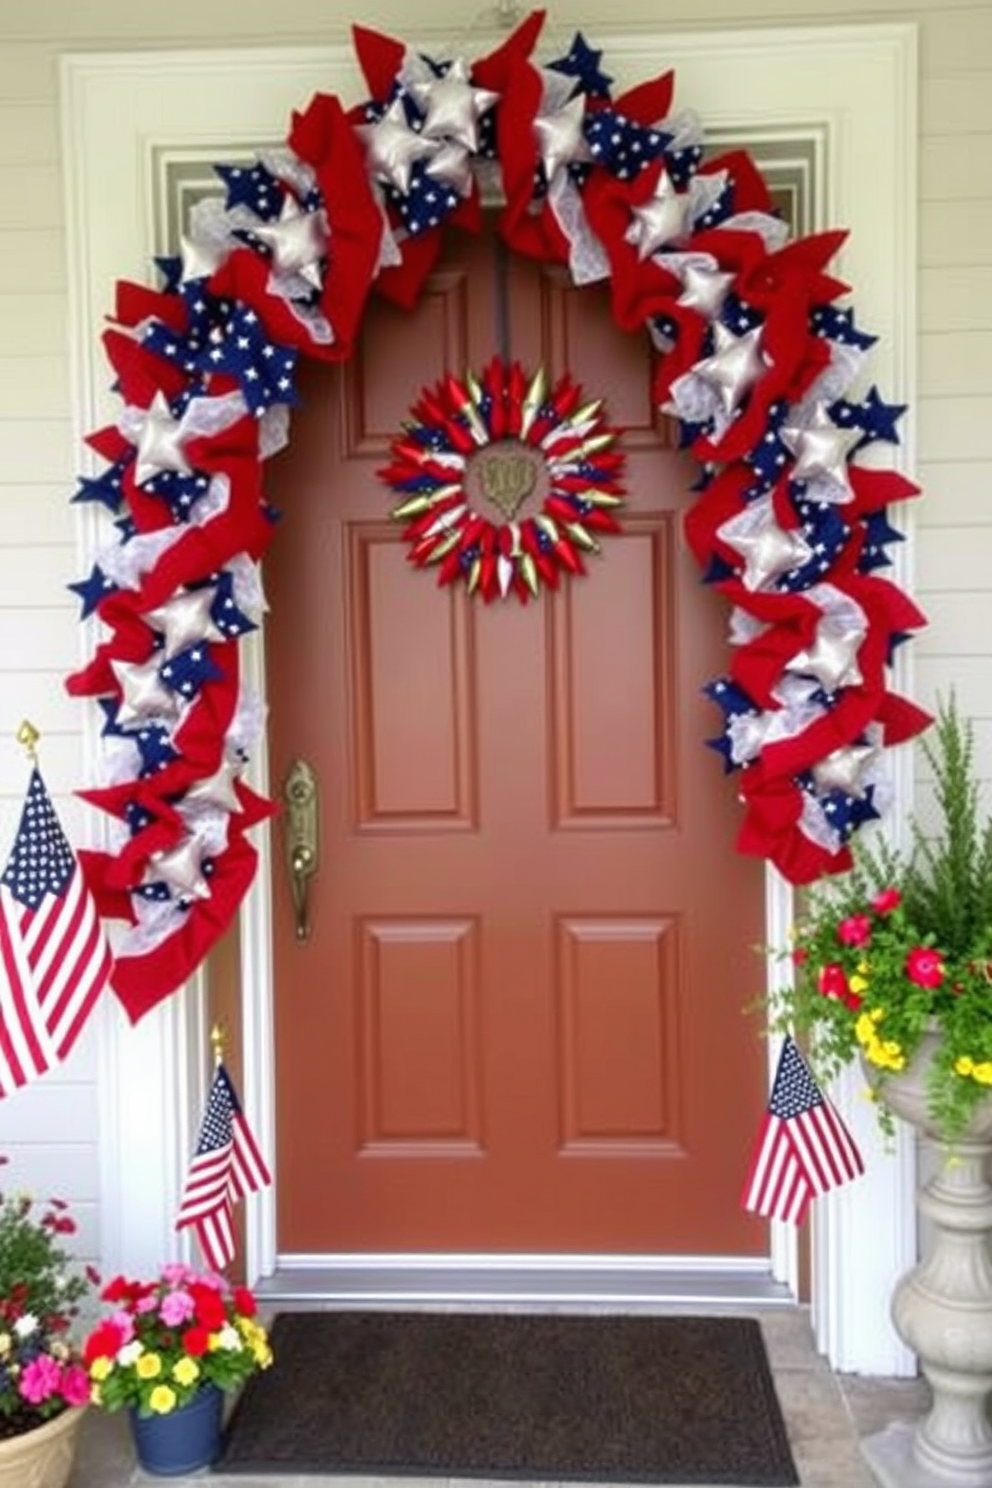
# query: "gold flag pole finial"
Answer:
x=28 y=735
x=217 y=1039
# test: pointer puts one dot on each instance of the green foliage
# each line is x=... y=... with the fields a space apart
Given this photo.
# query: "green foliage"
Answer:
x=903 y=944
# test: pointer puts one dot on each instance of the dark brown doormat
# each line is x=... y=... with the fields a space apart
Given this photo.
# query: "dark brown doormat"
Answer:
x=611 y=1399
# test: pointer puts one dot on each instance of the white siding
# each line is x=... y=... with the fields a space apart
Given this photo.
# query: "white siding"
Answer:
x=52 y=1130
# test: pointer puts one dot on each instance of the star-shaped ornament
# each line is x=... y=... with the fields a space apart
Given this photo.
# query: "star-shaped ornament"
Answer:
x=160 y=443
x=833 y=657
x=453 y=107
x=297 y=241
x=704 y=289
x=392 y=148
x=845 y=769
x=662 y=219
x=820 y=449
x=181 y=868
x=452 y=164
x=144 y=694
x=198 y=260
x=560 y=137
x=186 y=619
x=768 y=550
x=216 y=790
x=735 y=366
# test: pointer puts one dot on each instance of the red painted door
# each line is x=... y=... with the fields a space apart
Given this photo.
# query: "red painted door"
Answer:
x=517 y=1023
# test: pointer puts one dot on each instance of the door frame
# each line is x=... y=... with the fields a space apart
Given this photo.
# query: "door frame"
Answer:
x=131 y=123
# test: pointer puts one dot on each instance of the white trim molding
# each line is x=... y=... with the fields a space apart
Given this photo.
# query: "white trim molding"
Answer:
x=852 y=90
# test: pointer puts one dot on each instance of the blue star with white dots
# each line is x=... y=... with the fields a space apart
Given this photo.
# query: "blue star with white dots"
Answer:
x=838 y=325
x=106 y=488
x=254 y=187
x=152 y=740
x=582 y=62
x=733 y=702
x=93 y=589
x=619 y=145
x=187 y=671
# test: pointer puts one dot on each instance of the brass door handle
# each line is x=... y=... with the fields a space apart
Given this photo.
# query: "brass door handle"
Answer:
x=300 y=797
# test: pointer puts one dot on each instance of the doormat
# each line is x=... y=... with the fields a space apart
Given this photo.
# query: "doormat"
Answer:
x=608 y=1399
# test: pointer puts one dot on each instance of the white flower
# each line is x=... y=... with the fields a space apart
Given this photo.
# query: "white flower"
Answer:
x=26 y=1325
x=229 y=1338
x=130 y=1353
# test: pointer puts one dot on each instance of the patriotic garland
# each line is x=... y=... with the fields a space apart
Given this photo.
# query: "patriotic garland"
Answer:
x=504 y=441
x=758 y=365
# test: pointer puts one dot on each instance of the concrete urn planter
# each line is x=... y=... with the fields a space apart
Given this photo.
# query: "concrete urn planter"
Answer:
x=42 y=1458
x=942 y=1308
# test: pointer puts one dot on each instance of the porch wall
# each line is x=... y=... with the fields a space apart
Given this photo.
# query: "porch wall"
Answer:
x=51 y=1131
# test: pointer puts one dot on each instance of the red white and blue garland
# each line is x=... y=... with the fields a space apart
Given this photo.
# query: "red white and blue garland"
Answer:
x=503 y=439
x=758 y=366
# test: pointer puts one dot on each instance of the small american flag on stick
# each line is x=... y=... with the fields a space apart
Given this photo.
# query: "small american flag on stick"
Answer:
x=803 y=1149
x=226 y=1165
x=54 y=956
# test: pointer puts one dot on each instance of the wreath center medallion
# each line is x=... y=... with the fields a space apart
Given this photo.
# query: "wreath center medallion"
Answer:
x=506 y=475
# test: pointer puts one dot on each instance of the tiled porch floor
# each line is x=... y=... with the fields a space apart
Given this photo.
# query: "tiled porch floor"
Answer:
x=826 y=1415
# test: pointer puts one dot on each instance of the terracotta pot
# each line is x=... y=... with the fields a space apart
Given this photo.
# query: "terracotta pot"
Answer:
x=42 y=1458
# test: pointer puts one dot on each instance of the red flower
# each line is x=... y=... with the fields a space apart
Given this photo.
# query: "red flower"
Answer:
x=925 y=967
x=244 y=1301
x=210 y=1313
x=196 y=1341
x=832 y=980
x=855 y=930
x=886 y=901
x=800 y=956
x=103 y=1342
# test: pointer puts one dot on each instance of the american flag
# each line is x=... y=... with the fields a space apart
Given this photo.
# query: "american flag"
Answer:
x=54 y=956
x=803 y=1149
x=226 y=1165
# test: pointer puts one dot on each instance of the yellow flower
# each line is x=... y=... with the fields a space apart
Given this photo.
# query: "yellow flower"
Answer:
x=983 y=1072
x=149 y=1366
x=857 y=982
x=964 y=1065
x=162 y=1400
x=185 y=1371
x=4 y=1345
x=864 y=1029
x=100 y=1368
x=96 y=1395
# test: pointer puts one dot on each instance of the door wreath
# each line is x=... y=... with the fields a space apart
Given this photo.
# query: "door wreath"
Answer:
x=758 y=365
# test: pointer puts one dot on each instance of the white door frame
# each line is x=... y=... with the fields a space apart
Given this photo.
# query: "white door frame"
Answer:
x=125 y=117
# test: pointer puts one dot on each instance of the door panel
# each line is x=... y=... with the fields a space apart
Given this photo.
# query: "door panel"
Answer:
x=517 y=1022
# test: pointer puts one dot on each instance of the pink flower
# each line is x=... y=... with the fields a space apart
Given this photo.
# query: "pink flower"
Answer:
x=176 y=1307
x=855 y=930
x=925 y=967
x=832 y=980
x=75 y=1385
x=146 y=1304
x=886 y=901
x=40 y=1379
x=125 y=1323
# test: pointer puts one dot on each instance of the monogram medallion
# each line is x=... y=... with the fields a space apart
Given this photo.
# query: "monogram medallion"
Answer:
x=506 y=474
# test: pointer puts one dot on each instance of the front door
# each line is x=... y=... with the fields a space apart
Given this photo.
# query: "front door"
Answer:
x=516 y=1023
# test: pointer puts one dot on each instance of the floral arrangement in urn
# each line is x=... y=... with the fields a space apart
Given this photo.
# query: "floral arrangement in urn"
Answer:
x=167 y=1339
x=902 y=948
x=41 y=1288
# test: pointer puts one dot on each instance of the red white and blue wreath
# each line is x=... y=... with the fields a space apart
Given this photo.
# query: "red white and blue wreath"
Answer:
x=758 y=366
x=542 y=459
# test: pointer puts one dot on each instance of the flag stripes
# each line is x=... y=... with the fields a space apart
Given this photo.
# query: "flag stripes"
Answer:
x=227 y=1165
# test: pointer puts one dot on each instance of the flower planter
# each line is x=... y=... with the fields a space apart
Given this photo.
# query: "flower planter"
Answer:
x=42 y=1458
x=183 y=1440
x=942 y=1308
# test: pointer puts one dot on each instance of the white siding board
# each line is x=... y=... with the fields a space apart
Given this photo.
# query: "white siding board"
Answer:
x=955 y=363
x=33 y=192
x=953 y=493
x=36 y=577
x=972 y=683
x=28 y=70
x=954 y=559
x=32 y=324
x=960 y=625
x=28 y=134
x=40 y=696
x=45 y=507
x=956 y=233
x=39 y=450
x=34 y=387
x=34 y=259
x=50 y=1110
x=53 y=639
x=955 y=105
x=67 y=1170
x=956 y=428
x=961 y=301
x=955 y=167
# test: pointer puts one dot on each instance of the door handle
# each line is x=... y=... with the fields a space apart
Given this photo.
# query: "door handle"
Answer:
x=302 y=855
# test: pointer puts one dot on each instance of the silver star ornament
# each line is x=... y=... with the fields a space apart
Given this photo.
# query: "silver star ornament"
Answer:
x=160 y=443
x=768 y=550
x=833 y=657
x=845 y=769
x=297 y=240
x=821 y=449
x=736 y=365
x=392 y=148
x=185 y=619
x=662 y=219
x=181 y=868
x=144 y=694
x=216 y=790
x=453 y=107
x=704 y=290
x=560 y=138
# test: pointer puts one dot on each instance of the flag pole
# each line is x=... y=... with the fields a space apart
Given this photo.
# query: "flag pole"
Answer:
x=28 y=735
x=217 y=1040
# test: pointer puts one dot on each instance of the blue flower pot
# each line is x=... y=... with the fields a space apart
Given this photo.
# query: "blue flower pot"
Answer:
x=184 y=1440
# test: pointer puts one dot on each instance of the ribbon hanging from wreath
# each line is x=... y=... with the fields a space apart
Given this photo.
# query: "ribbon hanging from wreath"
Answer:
x=758 y=366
